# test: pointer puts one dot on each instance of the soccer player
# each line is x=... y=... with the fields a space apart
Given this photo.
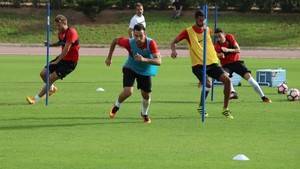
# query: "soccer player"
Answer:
x=177 y=9
x=228 y=51
x=137 y=18
x=64 y=63
x=194 y=37
x=142 y=62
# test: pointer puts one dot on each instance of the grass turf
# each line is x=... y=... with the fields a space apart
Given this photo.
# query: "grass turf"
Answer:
x=74 y=130
x=251 y=29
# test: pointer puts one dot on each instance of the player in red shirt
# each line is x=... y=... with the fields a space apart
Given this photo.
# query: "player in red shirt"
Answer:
x=228 y=51
x=64 y=63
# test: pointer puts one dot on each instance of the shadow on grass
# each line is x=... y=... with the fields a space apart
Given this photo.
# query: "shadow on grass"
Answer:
x=25 y=127
x=102 y=121
x=14 y=104
x=134 y=102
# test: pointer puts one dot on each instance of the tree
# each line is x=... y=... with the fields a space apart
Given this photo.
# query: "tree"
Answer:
x=56 y=4
x=17 y=3
x=91 y=8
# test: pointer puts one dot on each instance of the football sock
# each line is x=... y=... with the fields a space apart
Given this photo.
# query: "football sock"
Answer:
x=37 y=98
x=51 y=87
x=225 y=108
x=117 y=103
x=145 y=106
x=231 y=87
x=256 y=87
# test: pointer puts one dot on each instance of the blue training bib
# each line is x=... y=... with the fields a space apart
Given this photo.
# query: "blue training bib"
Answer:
x=144 y=69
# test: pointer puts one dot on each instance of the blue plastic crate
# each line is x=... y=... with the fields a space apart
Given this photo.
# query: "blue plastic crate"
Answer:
x=270 y=77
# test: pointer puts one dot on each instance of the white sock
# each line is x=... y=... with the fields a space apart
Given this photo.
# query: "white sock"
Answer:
x=37 y=98
x=256 y=87
x=207 y=89
x=117 y=103
x=231 y=87
x=145 y=106
x=51 y=87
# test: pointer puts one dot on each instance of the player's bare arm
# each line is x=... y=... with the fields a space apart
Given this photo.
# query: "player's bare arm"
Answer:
x=221 y=55
x=55 y=44
x=173 y=48
x=111 y=51
x=63 y=53
x=156 y=60
x=235 y=49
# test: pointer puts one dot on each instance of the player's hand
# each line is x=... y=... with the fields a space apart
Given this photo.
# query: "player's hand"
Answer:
x=45 y=43
x=138 y=58
x=224 y=49
x=108 y=61
x=221 y=55
x=174 y=54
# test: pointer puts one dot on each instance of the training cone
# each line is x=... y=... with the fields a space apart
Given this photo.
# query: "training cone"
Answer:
x=99 y=89
x=241 y=157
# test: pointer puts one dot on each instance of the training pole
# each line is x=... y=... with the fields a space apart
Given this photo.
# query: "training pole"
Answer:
x=47 y=54
x=215 y=38
x=202 y=100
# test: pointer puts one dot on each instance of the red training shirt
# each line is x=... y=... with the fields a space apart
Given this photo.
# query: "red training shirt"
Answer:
x=230 y=57
x=70 y=35
x=124 y=42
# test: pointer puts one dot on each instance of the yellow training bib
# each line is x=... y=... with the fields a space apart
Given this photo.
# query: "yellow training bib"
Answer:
x=196 y=48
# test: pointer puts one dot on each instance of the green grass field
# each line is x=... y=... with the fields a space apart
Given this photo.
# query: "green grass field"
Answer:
x=74 y=130
x=251 y=29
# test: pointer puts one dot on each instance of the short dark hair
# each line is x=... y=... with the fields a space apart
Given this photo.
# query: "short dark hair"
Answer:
x=199 y=13
x=218 y=30
x=139 y=27
x=138 y=4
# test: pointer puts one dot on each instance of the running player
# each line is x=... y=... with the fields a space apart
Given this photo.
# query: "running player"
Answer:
x=142 y=62
x=228 y=51
x=194 y=37
x=64 y=63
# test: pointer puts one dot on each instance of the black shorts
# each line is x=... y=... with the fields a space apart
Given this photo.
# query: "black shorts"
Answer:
x=62 y=68
x=143 y=82
x=213 y=70
x=237 y=67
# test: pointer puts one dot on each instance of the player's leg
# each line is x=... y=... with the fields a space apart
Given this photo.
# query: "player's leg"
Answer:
x=146 y=100
x=217 y=72
x=128 y=82
x=243 y=71
x=52 y=78
x=43 y=75
x=145 y=84
x=233 y=93
x=256 y=87
x=197 y=71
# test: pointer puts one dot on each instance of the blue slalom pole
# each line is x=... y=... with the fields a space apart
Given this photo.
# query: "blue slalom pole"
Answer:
x=47 y=55
x=204 y=65
x=215 y=38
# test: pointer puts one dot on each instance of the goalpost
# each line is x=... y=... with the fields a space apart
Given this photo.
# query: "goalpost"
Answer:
x=214 y=41
x=202 y=99
x=47 y=53
x=202 y=107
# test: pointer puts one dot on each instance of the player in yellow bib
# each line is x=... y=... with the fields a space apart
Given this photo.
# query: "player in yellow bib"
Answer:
x=194 y=37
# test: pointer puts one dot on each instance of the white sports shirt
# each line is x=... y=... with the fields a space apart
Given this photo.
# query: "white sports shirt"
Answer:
x=137 y=19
